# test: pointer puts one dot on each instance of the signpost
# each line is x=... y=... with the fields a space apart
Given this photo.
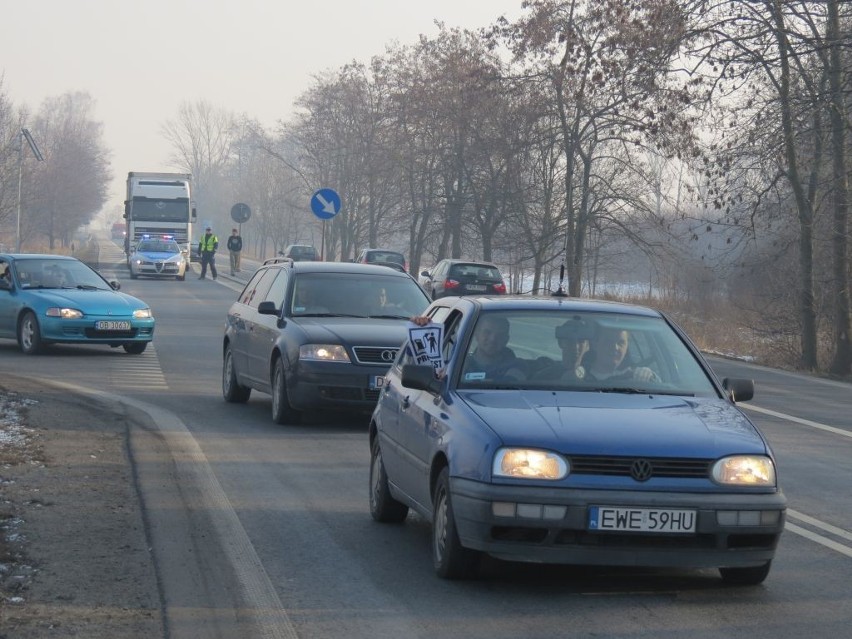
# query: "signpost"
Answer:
x=325 y=203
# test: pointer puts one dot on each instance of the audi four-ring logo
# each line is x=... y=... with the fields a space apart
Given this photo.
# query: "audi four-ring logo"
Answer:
x=388 y=355
x=641 y=470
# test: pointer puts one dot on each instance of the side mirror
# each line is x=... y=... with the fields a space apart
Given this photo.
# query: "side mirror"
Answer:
x=267 y=308
x=194 y=213
x=116 y=285
x=420 y=377
x=424 y=273
x=739 y=390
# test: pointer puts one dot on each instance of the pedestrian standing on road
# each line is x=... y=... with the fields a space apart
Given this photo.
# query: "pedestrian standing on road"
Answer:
x=207 y=250
x=235 y=245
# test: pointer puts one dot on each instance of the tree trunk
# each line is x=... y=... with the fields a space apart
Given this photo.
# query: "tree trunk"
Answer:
x=842 y=361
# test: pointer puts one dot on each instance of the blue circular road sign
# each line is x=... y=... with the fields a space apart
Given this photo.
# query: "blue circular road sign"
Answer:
x=325 y=204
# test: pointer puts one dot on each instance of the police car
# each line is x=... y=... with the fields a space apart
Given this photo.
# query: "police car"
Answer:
x=157 y=256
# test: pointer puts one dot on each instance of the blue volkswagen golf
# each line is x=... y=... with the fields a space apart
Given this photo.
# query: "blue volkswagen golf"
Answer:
x=53 y=299
x=559 y=430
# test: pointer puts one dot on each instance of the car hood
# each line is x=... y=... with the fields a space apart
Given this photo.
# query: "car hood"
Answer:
x=354 y=331
x=157 y=255
x=99 y=302
x=616 y=424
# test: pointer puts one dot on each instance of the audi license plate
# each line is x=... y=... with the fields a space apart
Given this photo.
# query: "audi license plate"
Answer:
x=112 y=325
x=656 y=520
x=377 y=382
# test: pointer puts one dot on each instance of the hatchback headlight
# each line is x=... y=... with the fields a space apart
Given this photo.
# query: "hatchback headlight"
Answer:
x=529 y=463
x=64 y=313
x=142 y=313
x=745 y=470
x=323 y=352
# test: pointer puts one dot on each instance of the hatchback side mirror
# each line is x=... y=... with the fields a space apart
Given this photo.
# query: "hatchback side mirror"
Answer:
x=739 y=390
x=420 y=377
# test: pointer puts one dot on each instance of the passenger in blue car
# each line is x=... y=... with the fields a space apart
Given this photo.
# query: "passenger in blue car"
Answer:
x=492 y=359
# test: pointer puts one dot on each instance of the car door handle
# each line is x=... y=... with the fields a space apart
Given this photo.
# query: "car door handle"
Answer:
x=406 y=402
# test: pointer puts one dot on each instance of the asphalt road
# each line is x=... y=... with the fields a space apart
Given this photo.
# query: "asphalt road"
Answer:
x=264 y=530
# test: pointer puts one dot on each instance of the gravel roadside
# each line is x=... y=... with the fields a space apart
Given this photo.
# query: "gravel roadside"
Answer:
x=74 y=554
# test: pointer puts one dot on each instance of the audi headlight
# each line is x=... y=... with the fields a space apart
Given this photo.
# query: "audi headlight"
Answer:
x=64 y=313
x=745 y=470
x=323 y=353
x=142 y=313
x=529 y=463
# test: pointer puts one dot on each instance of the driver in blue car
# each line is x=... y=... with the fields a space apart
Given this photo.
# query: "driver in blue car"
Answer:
x=606 y=359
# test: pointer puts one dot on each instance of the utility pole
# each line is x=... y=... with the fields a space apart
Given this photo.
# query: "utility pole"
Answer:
x=38 y=156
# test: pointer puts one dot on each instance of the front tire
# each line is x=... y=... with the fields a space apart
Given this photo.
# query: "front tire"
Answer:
x=450 y=559
x=29 y=334
x=752 y=576
x=282 y=412
x=232 y=390
x=135 y=348
x=383 y=507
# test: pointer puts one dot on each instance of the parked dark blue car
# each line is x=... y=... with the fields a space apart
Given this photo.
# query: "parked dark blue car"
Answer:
x=572 y=431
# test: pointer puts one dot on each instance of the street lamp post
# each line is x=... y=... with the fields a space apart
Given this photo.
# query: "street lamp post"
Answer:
x=38 y=156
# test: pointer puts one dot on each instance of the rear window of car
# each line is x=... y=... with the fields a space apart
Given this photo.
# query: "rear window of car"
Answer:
x=302 y=251
x=386 y=256
x=479 y=271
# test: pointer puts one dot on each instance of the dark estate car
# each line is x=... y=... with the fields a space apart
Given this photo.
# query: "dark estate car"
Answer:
x=463 y=277
x=51 y=299
x=624 y=449
x=382 y=257
x=300 y=253
x=316 y=335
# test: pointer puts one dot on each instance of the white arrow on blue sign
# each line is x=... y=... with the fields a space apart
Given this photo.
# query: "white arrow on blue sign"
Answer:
x=325 y=204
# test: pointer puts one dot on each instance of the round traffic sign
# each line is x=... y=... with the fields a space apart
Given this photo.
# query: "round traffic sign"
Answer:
x=325 y=204
x=240 y=213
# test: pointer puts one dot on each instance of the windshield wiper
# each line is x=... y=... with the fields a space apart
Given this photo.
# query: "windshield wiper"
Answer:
x=638 y=391
x=88 y=287
x=389 y=316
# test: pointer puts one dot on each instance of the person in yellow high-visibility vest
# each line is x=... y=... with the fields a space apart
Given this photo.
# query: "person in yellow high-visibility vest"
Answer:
x=207 y=246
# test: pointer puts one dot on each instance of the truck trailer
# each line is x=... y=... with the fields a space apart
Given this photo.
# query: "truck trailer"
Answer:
x=159 y=204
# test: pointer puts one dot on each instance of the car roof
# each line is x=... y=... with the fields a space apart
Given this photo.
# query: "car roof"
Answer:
x=545 y=303
x=477 y=262
x=337 y=267
x=33 y=256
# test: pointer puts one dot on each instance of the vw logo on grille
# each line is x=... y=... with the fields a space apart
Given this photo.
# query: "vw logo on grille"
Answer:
x=388 y=355
x=641 y=470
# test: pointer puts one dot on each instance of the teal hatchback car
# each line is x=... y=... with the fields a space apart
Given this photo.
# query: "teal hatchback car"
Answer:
x=53 y=299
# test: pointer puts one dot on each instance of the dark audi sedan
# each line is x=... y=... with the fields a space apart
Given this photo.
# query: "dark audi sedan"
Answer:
x=316 y=335
x=571 y=431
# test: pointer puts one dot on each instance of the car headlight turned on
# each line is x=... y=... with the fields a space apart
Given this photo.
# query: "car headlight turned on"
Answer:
x=142 y=313
x=529 y=463
x=64 y=313
x=744 y=470
x=323 y=353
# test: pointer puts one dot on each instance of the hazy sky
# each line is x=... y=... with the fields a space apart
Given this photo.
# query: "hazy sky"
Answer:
x=141 y=59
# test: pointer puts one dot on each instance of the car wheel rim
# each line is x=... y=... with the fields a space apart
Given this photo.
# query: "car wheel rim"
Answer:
x=441 y=527
x=27 y=334
x=276 y=391
x=375 y=474
x=229 y=371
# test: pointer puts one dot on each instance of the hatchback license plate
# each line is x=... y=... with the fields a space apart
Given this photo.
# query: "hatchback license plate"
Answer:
x=656 y=520
x=112 y=325
x=476 y=287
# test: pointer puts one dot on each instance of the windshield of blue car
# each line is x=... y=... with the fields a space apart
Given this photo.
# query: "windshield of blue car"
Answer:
x=356 y=295
x=581 y=351
x=57 y=273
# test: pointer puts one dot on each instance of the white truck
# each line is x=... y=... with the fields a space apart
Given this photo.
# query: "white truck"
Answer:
x=159 y=204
